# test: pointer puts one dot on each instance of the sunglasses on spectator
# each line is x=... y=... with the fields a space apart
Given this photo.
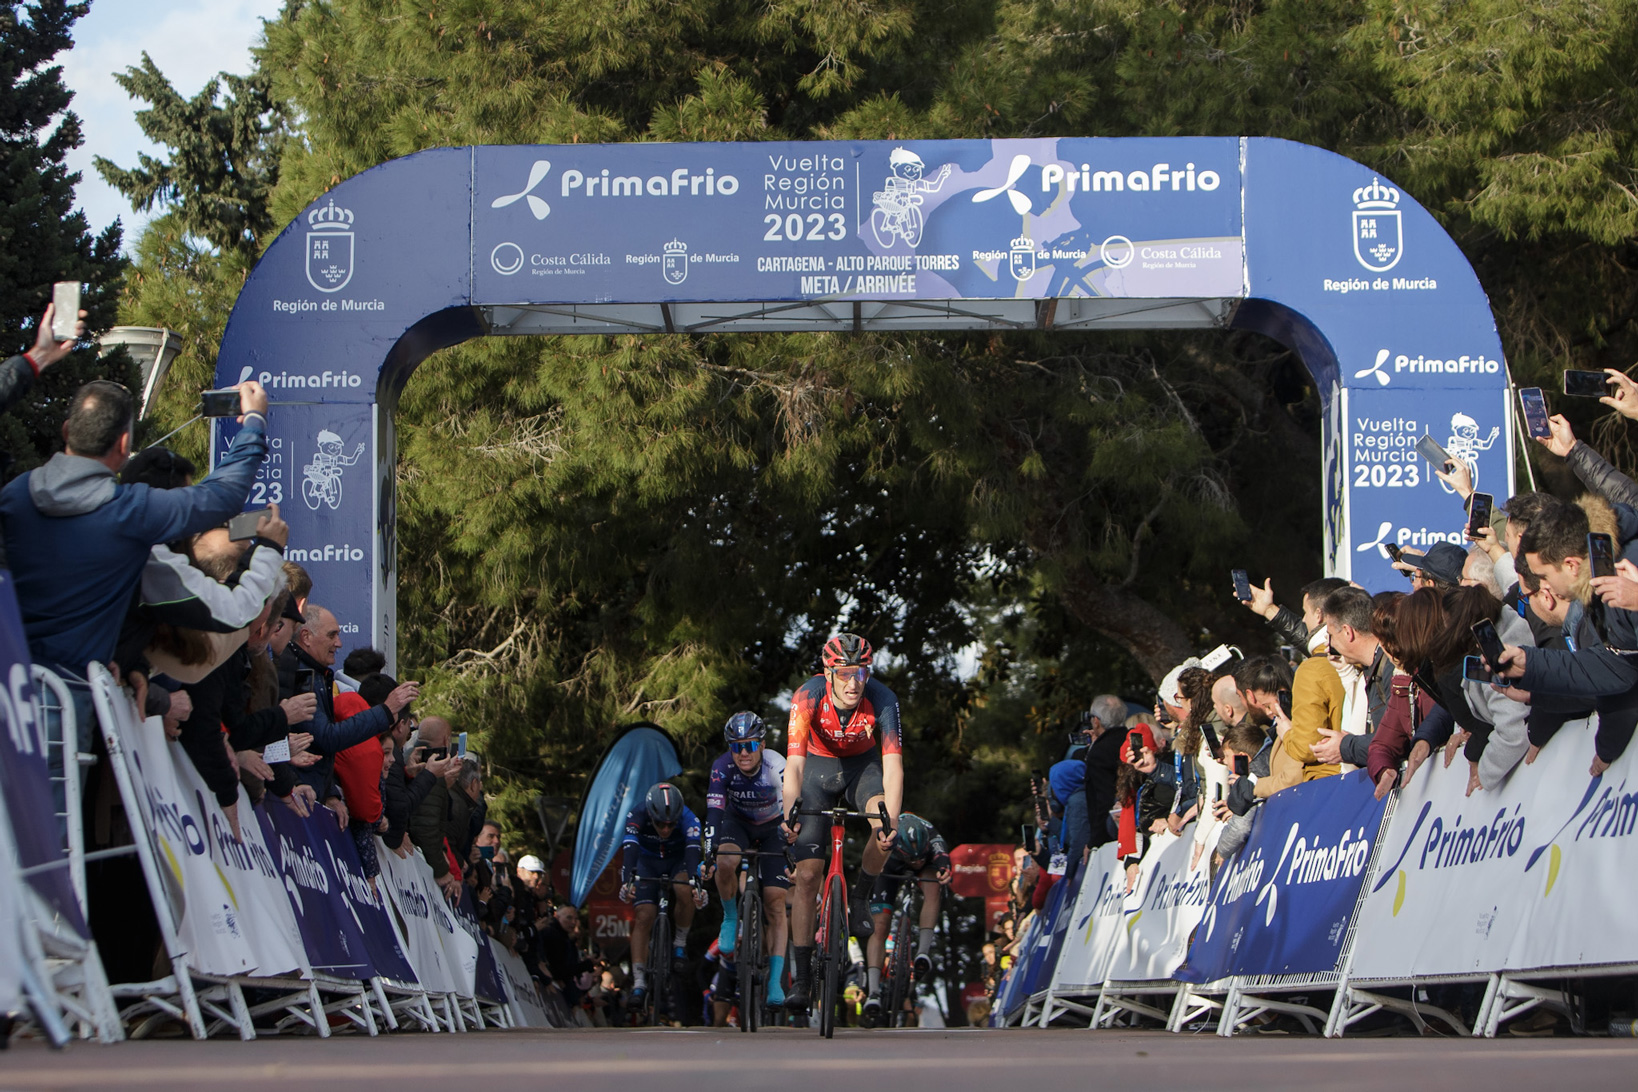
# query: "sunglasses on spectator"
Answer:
x=850 y=674
x=749 y=747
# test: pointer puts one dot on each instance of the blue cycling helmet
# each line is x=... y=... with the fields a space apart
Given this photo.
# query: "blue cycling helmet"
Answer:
x=664 y=803
x=915 y=835
x=742 y=727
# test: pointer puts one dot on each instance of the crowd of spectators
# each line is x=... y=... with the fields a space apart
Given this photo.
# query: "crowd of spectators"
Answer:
x=120 y=556
x=1382 y=683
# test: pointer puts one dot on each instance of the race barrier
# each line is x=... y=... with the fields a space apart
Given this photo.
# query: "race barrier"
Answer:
x=279 y=904
x=1369 y=902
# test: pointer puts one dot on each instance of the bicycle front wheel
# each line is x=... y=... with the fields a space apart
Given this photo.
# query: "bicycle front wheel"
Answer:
x=659 y=968
x=835 y=955
x=752 y=972
x=899 y=983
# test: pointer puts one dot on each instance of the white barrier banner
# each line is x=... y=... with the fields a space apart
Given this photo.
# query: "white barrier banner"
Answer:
x=1094 y=927
x=225 y=897
x=1534 y=873
x=528 y=1010
x=422 y=913
x=1163 y=909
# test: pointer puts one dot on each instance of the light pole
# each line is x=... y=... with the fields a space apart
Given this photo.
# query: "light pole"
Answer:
x=153 y=348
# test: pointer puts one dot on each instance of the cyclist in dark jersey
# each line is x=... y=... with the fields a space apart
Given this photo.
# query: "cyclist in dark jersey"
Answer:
x=919 y=851
x=662 y=839
x=843 y=743
x=743 y=806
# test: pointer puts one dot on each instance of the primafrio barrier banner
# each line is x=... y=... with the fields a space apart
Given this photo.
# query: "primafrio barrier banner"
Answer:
x=1536 y=872
x=1160 y=915
x=1283 y=903
x=1093 y=927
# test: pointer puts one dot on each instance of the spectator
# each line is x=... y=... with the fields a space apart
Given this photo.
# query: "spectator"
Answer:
x=444 y=826
x=1347 y=614
x=1147 y=790
x=1292 y=628
x=359 y=663
x=313 y=652
x=1068 y=782
x=78 y=540
x=362 y=770
x=557 y=948
x=1244 y=740
x=18 y=373
x=1199 y=740
x=1440 y=568
x=1410 y=706
x=1226 y=700
x=1260 y=680
x=1105 y=734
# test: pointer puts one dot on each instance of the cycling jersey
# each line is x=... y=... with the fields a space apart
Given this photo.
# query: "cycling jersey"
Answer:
x=818 y=728
x=756 y=799
x=642 y=839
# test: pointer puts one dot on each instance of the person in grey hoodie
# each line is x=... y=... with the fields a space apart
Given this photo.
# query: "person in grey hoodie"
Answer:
x=78 y=540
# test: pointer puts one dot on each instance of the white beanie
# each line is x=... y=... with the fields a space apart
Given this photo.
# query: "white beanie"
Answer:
x=1168 y=686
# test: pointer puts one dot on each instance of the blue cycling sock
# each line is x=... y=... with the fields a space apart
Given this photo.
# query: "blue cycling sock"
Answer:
x=776 y=980
x=730 y=927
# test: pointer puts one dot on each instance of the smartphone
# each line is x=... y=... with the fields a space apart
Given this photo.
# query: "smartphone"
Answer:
x=1394 y=552
x=219 y=403
x=1586 y=384
x=1242 y=766
x=1600 y=555
x=1535 y=412
x=1134 y=742
x=1479 y=515
x=460 y=745
x=1217 y=793
x=1242 y=586
x=304 y=680
x=1433 y=453
x=1211 y=739
x=65 y=298
x=1474 y=669
x=243 y=525
x=1285 y=703
x=1490 y=643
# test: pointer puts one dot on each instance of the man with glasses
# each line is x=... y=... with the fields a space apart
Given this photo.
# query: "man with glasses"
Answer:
x=743 y=805
x=662 y=839
x=843 y=743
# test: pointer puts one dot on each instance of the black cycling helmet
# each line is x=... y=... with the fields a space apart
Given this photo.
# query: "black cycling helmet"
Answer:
x=742 y=727
x=847 y=650
x=664 y=803
x=915 y=835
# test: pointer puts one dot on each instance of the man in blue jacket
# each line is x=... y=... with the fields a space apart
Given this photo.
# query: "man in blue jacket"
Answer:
x=77 y=540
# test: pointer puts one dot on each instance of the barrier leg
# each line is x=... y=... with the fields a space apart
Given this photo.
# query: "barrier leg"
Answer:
x=1229 y=1017
x=385 y=1005
x=1484 y=1025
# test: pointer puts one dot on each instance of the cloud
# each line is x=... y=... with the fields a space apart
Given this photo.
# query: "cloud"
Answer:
x=190 y=41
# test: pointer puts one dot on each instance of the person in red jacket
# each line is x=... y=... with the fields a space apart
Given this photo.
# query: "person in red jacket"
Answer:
x=360 y=770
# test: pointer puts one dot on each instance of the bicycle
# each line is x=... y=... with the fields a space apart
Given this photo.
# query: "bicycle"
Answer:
x=753 y=955
x=659 y=949
x=901 y=953
x=830 y=937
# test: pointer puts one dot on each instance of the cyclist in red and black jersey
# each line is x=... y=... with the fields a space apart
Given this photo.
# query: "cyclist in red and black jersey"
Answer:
x=843 y=742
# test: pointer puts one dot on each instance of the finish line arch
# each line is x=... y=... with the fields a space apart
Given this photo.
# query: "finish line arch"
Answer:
x=1285 y=239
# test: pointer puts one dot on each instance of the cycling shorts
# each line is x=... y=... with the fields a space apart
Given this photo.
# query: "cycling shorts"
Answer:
x=762 y=837
x=886 y=889
x=649 y=865
x=825 y=780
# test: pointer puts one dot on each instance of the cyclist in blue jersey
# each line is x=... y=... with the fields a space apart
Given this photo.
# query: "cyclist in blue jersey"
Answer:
x=662 y=839
x=744 y=804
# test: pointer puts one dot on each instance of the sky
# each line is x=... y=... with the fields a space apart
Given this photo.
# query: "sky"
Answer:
x=190 y=41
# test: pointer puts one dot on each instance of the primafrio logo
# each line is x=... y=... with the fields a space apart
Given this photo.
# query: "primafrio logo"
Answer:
x=537 y=205
x=330 y=248
x=1379 y=240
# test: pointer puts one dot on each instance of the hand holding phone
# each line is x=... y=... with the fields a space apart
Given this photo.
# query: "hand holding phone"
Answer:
x=219 y=403
x=460 y=745
x=243 y=525
x=65 y=310
x=1436 y=456
x=1284 y=697
x=1242 y=766
x=1242 y=585
x=1474 y=670
x=1395 y=554
x=1134 y=742
x=1600 y=555
x=1490 y=643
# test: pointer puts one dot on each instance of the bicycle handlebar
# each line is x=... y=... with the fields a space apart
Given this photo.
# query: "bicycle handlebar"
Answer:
x=838 y=810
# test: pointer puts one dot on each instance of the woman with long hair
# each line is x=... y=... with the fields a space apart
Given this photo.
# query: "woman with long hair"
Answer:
x=1409 y=703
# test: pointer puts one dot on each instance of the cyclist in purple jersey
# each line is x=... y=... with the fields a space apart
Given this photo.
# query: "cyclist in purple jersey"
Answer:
x=744 y=804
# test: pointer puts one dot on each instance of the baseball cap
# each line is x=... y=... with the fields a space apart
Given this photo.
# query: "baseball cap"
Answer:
x=531 y=863
x=1443 y=561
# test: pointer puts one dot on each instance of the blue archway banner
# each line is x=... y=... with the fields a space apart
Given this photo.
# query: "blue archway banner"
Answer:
x=640 y=756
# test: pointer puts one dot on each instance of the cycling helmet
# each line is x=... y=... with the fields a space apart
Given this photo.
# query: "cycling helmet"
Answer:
x=847 y=650
x=915 y=834
x=664 y=803
x=742 y=727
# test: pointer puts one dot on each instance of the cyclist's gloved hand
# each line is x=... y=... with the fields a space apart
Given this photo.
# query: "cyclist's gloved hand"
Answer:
x=700 y=898
x=885 y=838
x=708 y=868
x=628 y=891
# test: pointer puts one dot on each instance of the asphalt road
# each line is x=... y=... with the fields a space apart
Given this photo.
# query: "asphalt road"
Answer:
x=890 y=1061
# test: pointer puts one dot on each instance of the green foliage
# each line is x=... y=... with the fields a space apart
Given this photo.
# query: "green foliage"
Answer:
x=43 y=238
x=597 y=530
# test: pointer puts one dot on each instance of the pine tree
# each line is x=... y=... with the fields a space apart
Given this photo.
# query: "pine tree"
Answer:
x=43 y=238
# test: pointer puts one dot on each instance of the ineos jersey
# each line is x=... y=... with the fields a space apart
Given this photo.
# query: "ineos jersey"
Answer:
x=756 y=799
x=817 y=728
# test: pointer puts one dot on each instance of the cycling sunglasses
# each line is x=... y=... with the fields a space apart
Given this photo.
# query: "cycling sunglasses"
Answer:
x=748 y=747
x=851 y=674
